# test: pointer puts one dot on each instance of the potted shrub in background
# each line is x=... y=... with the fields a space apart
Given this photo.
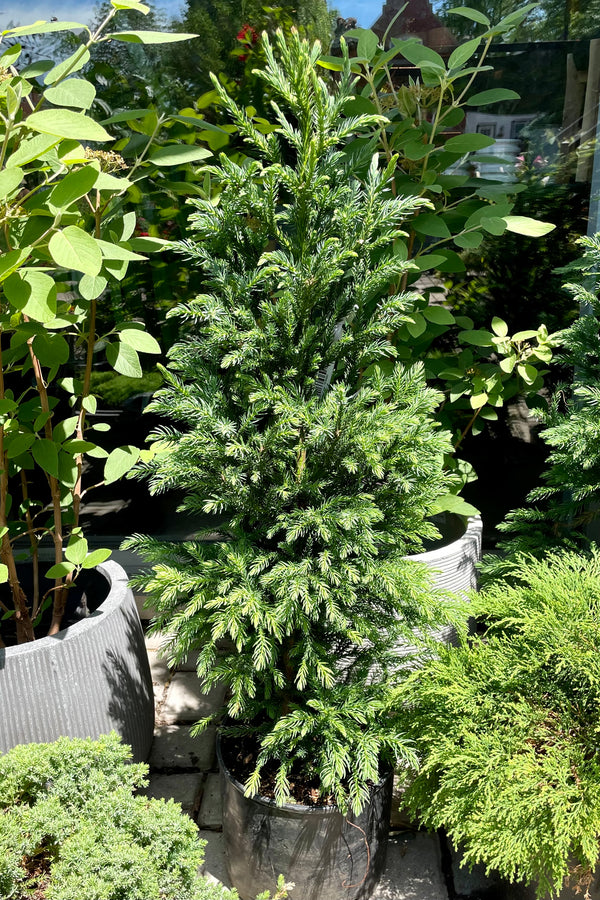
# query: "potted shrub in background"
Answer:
x=324 y=470
x=564 y=510
x=506 y=725
x=424 y=99
x=66 y=229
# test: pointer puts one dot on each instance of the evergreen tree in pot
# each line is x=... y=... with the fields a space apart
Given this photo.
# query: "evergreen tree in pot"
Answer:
x=323 y=468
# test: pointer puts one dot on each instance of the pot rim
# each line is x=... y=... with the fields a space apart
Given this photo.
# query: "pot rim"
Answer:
x=289 y=808
x=472 y=532
x=118 y=584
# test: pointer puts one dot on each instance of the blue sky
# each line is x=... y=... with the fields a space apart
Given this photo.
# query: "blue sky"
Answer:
x=30 y=11
x=23 y=13
x=366 y=11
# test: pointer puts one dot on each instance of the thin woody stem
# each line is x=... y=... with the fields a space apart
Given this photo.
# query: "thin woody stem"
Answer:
x=22 y=616
x=57 y=532
x=33 y=543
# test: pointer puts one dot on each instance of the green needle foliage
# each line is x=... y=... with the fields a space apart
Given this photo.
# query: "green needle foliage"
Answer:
x=507 y=726
x=322 y=468
x=72 y=828
x=566 y=505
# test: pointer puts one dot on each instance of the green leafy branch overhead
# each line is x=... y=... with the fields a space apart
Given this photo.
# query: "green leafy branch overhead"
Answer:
x=66 y=228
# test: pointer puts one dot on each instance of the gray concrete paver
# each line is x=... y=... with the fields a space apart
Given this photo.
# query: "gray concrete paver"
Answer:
x=175 y=748
x=183 y=788
x=211 y=808
x=187 y=702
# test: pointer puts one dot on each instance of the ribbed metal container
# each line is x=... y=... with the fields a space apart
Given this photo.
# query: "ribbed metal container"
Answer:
x=453 y=568
x=453 y=564
x=89 y=679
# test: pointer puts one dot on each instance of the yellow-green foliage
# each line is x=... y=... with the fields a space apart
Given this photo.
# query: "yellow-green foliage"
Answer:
x=71 y=828
x=507 y=726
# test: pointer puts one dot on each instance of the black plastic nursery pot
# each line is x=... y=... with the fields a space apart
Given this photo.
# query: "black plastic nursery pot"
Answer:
x=326 y=855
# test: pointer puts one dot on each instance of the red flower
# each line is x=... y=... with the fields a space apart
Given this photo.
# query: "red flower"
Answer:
x=247 y=34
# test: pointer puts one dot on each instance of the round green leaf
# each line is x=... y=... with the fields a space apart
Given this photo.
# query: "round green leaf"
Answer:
x=90 y=287
x=75 y=92
x=177 y=154
x=18 y=444
x=459 y=56
x=124 y=359
x=468 y=241
x=73 y=186
x=71 y=64
x=77 y=549
x=493 y=224
x=477 y=337
x=67 y=124
x=499 y=326
x=430 y=225
x=466 y=143
x=139 y=340
x=32 y=292
x=439 y=315
x=120 y=461
x=42 y=27
x=63 y=430
x=12 y=260
x=60 y=570
x=45 y=453
x=94 y=558
x=51 y=349
x=3 y=573
x=468 y=13
x=492 y=96
x=478 y=400
x=529 y=227
x=149 y=37
x=73 y=248
x=10 y=179
x=31 y=149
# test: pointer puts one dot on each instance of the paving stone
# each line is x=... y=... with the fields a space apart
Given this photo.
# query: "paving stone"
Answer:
x=186 y=702
x=213 y=867
x=413 y=870
x=146 y=612
x=159 y=668
x=399 y=817
x=154 y=641
x=174 y=748
x=189 y=664
x=185 y=789
x=211 y=808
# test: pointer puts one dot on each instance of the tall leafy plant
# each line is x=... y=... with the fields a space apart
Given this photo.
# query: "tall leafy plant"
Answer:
x=65 y=230
x=422 y=128
x=323 y=467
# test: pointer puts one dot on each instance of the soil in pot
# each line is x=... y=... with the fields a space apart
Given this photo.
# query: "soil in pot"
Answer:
x=326 y=855
x=87 y=594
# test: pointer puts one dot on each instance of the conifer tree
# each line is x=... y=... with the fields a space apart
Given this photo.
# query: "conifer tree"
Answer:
x=561 y=511
x=323 y=465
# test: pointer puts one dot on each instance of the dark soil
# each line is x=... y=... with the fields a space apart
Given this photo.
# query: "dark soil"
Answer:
x=86 y=595
x=239 y=755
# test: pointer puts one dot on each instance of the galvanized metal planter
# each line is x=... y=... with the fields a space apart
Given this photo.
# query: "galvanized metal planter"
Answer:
x=89 y=679
x=453 y=567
